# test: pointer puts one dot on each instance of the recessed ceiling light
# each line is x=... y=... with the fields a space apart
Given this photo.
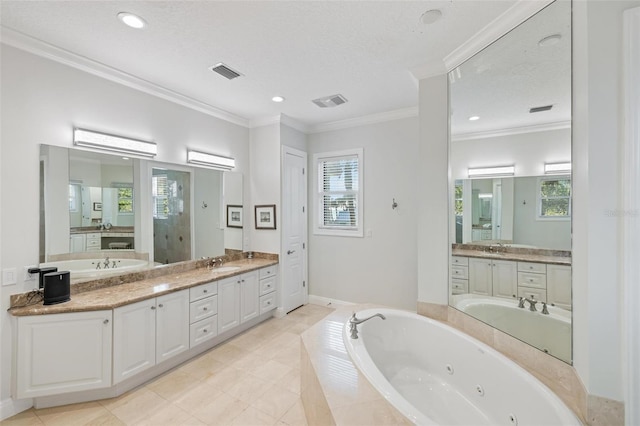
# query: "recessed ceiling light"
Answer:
x=430 y=16
x=474 y=118
x=550 y=40
x=131 y=20
x=277 y=99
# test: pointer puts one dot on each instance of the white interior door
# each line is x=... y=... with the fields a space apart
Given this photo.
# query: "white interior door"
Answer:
x=294 y=228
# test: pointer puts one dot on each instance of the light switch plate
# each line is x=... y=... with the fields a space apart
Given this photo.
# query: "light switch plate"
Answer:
x=9 y=276
x=27 y=276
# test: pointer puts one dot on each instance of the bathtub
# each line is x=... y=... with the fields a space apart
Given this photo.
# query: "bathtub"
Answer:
x=436 y=375
x=86 y=268
x=549 y=333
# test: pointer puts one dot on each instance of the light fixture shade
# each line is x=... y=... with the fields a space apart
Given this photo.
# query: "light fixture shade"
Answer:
x=107 y=142
x=492 y=171
x=557 y=168
x=210 y=160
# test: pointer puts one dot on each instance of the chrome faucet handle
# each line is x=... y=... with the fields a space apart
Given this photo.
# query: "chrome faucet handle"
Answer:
x=521 y=303
x=220 y=261
x=545 y=311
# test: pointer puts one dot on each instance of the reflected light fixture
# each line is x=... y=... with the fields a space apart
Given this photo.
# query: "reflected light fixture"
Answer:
x=492 y=171
x=210 y=160
x=474 y=118
x=132 y=20
x=277 y=99
x=557 y=168
x=107 y=142
x=485 y=195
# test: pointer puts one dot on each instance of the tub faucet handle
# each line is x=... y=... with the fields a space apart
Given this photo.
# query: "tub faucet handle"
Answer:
x=521 y=303
x=545 y=311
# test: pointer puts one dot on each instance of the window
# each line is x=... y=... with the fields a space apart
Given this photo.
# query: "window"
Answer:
x=74 y=189
x=160 y=193
x=554 y=198
x=125 y=198
x=338 y=195
x=458 y=198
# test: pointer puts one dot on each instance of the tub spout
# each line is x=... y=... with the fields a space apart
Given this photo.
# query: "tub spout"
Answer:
x=532 y=304
x=354 y=321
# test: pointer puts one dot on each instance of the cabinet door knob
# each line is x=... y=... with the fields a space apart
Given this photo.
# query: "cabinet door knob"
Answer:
x=205 y=308
x=105 y=321
x=242 y=280
x=153 y=307
x=160 y=305
x=205 y=330
x=269 y=302
x=205 y=290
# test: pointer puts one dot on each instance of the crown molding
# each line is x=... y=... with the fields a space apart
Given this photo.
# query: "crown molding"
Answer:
x=511 y=131
x=366 y=120
x=508 y=20
x=427 y=70
x=293 y=123
x=40 y=48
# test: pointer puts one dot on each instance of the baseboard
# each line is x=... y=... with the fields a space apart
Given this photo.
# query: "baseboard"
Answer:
x=327 y=302
x=10 y=407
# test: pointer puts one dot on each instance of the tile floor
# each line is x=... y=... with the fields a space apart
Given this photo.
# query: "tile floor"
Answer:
x=252 y=379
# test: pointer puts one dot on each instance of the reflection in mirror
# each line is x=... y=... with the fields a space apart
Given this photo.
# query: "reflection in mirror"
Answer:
x=91 y=202
x=511 y=235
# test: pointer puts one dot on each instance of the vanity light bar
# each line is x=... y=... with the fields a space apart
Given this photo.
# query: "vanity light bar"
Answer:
x=555 y=168
x=492 y=171
x=210 y=160
x=107 y=142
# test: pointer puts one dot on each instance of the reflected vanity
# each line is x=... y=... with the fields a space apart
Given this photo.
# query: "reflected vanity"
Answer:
x=104 y=214
x=510 y=232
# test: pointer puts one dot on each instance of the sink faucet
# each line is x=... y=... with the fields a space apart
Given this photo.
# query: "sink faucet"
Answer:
x=353 y=323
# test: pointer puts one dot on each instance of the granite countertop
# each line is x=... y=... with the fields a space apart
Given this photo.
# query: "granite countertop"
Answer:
x=125 y=294
x=522 y=257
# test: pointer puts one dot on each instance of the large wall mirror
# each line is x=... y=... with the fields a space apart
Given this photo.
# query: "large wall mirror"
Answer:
x=104 y=214
x=510 y=203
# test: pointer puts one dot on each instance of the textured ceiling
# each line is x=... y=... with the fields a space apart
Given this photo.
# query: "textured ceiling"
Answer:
x=301 y=50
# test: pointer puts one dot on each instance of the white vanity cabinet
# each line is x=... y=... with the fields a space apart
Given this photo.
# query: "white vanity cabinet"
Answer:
x=228 y=304
x=203 y=313
x=459 y=275
x=249 y=296
x=490 y=277
x=559 y=285
x=267 y=282
x=532 y=280
x=63 y=353
x=149 y=332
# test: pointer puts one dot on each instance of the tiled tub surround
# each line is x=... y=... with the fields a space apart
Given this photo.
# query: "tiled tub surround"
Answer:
x=334 y=391
x=87 y=375
x=559 y=376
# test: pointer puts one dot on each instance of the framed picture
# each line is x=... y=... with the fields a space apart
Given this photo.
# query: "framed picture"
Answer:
x=97 y=207
x=266 y=216
x=234 y=216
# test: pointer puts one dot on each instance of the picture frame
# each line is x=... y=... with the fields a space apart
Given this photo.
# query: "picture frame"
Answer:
x=97 y=207
x=234 y=216
x=265 y=216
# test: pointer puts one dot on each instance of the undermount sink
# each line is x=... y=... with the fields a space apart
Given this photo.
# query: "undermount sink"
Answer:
x=225 y=269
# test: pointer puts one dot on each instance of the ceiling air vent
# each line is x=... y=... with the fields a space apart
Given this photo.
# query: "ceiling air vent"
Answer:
x=225 y=71
x=330 y=101
x=540 y=109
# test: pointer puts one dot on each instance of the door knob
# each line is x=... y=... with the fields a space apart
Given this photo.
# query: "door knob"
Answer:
x=290 y=251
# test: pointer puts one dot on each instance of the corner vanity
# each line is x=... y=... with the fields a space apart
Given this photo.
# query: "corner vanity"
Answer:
x=108 y=340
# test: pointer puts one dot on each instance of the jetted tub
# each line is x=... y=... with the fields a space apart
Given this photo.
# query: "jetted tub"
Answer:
x=549 y=333
x=436 y=375
x=87 y=268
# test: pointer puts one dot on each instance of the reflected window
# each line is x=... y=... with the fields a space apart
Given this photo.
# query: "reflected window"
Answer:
x=160 y=193
x=74 y=191
x=339 y=193
x=554 y=198
x=125 y=198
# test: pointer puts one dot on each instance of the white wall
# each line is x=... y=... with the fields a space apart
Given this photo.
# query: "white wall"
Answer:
x=265 y=185
x=380 y=268
x=432 y=191
x=41 y=101
x=208 y=189
x=528 y=151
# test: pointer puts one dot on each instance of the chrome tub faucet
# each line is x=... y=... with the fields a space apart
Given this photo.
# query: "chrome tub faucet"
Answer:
x=354 y=321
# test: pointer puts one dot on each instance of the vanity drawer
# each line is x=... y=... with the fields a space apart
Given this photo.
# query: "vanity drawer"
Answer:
x=202 y=291
x=267 y=302
x=267 y=285
x=533 y=293
x=459 y=260
x=540 y=268
x=459 y=286
x=203 y=330
x=203 y=308
x=267 y=272
x=530 y=279
x=461 y=272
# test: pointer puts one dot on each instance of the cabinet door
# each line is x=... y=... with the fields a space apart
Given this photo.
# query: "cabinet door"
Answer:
x=559 y=285
x=63 y=353
x=505 y=278
x=228 y=304
x=249 y=296
x=134 y=339
x=480 y=276
x=172 y=325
